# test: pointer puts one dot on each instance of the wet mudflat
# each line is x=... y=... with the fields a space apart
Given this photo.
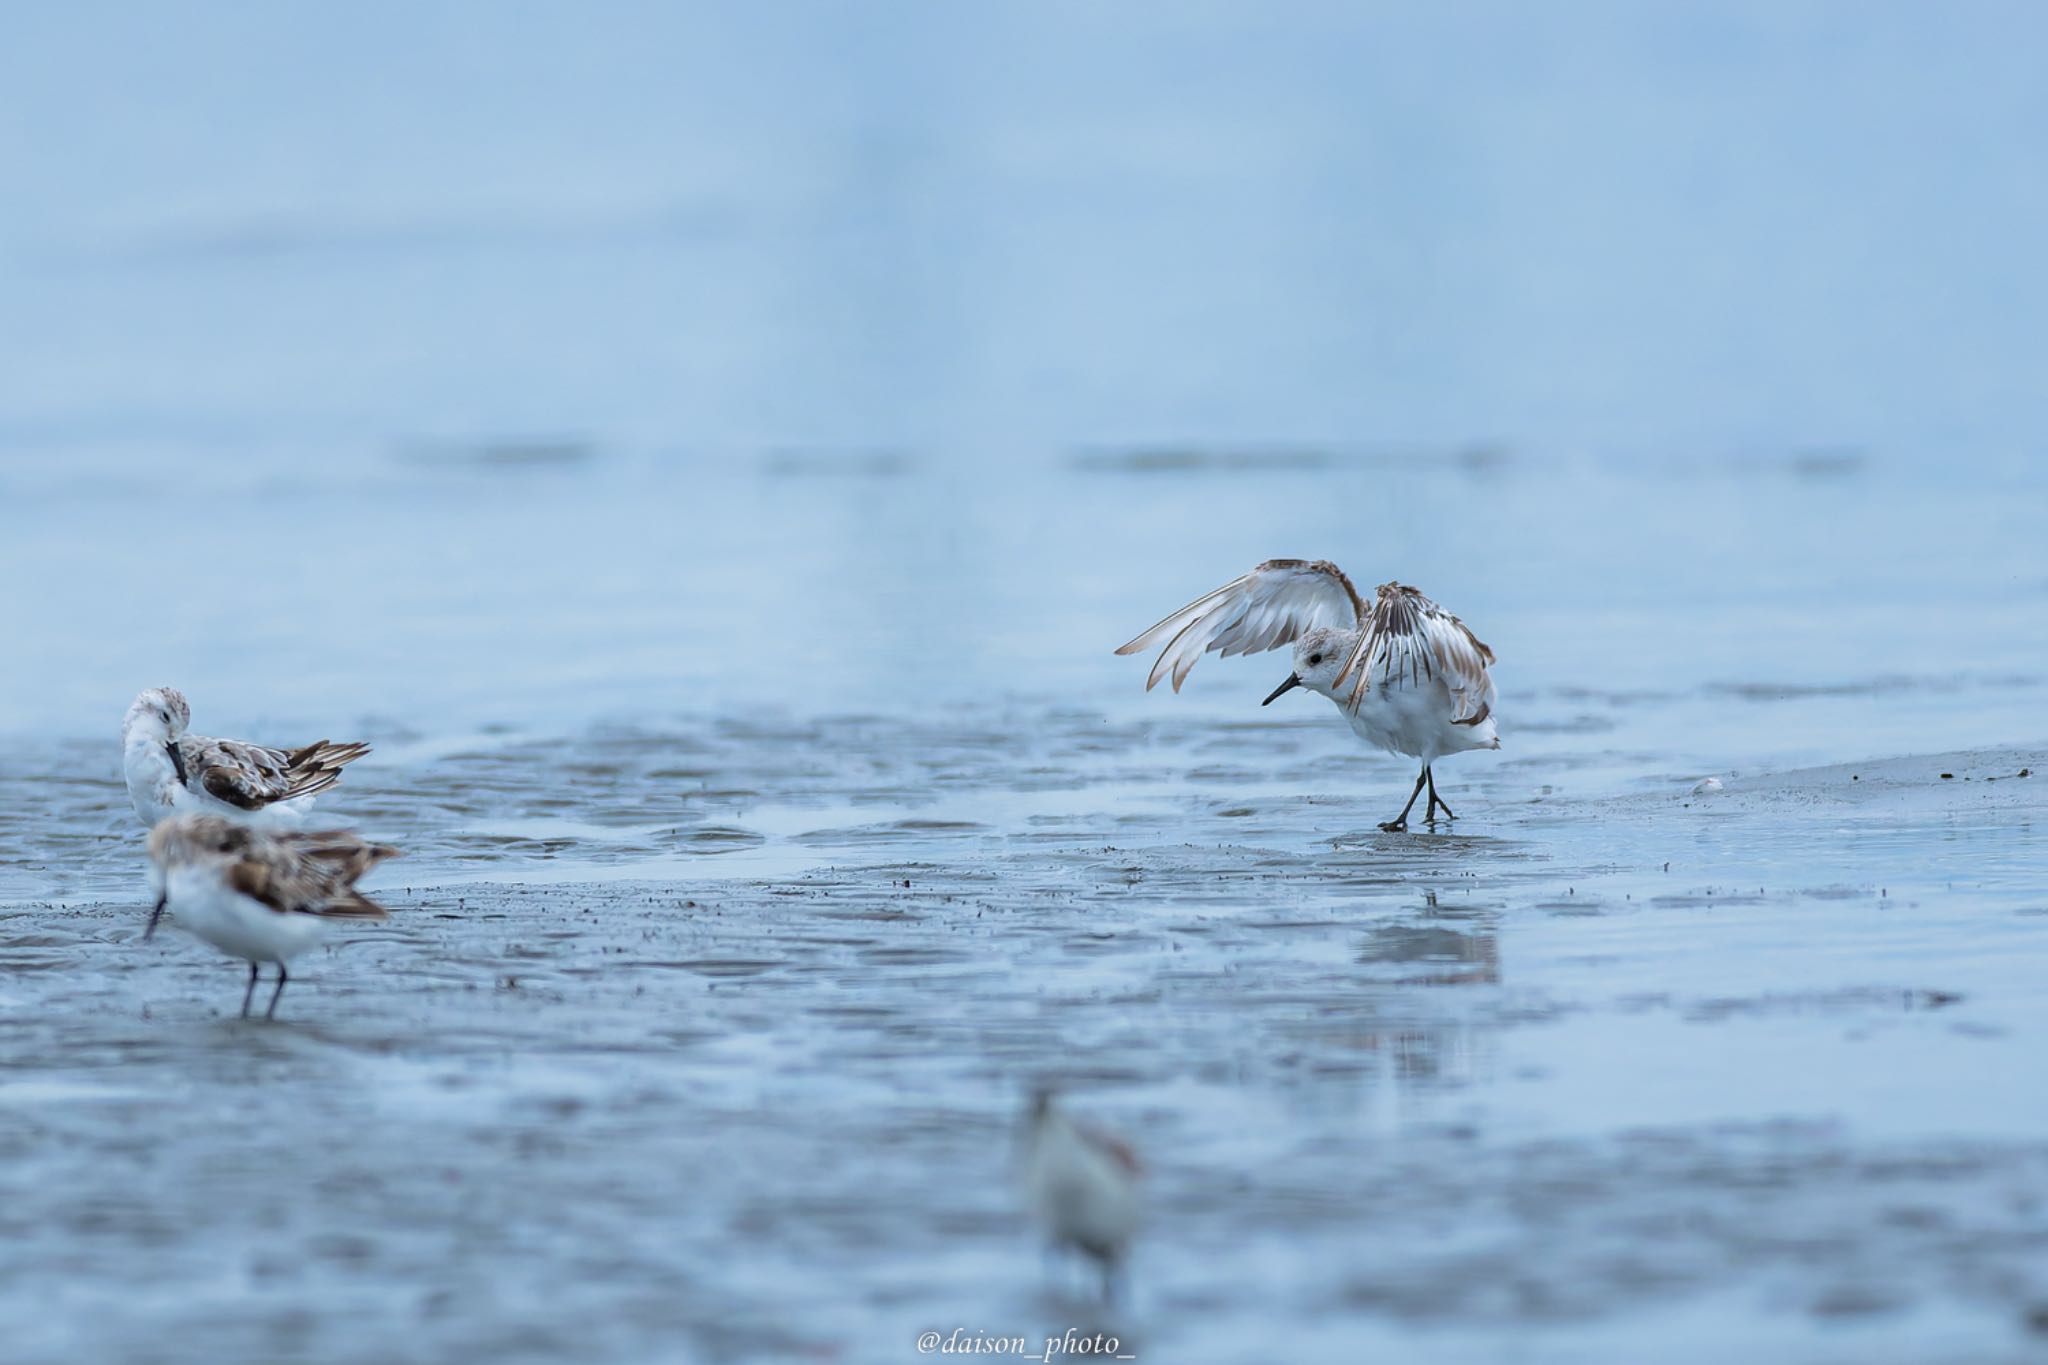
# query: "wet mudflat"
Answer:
x=712 y=453
x=707 y=1042
x=740 y=910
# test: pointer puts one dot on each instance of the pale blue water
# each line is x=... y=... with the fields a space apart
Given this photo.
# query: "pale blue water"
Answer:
x=614 y=359
x=713 y=454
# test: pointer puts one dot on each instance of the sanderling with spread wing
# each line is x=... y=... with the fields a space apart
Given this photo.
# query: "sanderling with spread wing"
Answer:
x=171 y=771
x=1410 y=677
x=258 y=895
x=1082 y=1184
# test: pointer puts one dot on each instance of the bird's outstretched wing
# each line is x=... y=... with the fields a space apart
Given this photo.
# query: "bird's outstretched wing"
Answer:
x=253 y=776
x=1271 y=606
x=1409 y=640
x=311 y=873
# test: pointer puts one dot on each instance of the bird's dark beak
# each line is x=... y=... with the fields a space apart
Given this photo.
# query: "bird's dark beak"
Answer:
x=1293 y=681
x=154 y=916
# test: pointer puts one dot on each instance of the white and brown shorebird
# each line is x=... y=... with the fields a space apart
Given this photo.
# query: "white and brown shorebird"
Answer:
x=170 y=771
x=255 y=894
x=1409 y=677
x=1082 y=1184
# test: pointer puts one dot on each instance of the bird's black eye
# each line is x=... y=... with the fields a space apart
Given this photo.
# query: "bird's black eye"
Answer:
x=1314 y=659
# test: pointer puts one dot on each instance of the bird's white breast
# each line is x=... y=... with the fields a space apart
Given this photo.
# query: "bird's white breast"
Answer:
x=1415 y=719
x=153 y=786
x=1079 y=1193
x=206 y=907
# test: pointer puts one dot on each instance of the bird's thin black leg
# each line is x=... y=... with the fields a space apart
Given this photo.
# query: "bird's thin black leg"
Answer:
x=1429 y=811
x=282 y=977
x=1400 y=822
x=249 y=994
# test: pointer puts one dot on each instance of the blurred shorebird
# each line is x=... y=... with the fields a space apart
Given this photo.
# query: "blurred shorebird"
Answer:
x=1082 y=1184
x=1409 y=677
x=256 y=895
x=170 y=771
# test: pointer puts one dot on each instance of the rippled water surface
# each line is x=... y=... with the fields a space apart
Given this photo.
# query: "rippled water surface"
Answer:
x=709 y=1040
x=712 y=463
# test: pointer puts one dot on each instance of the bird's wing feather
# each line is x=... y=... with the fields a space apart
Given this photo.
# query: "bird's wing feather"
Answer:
x=246 y=775
x=1273 y=605
x=1118 y=1151
x=1409 y=640
x=252 y=776
x=312 y=873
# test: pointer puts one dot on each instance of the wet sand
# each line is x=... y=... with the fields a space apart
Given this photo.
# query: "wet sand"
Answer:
x=714 y=1051
x=712 y=455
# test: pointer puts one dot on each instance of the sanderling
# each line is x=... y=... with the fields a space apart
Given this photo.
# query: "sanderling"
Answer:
x=1082 y=1184
x=1409 y=676
x=258 y=895
x=170 y=771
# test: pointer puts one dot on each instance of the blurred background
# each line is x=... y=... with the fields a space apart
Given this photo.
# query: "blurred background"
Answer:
x=529 y=363
x=712 y=452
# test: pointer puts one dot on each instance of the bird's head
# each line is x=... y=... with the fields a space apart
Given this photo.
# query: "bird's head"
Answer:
x=159 y=714
x=1319 y=659
x=187 y=839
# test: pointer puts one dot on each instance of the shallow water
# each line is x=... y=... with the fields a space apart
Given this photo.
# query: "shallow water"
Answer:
x=712 y=461
x=724 y=1062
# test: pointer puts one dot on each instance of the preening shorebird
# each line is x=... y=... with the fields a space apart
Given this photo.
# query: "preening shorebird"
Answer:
x=170 y=771
x=258 y=895
x=1409 y=677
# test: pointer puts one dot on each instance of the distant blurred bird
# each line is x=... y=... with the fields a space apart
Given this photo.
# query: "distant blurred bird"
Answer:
x=1410 y=677
x=170 y=771
x=256 y=895
x=1082 y=1184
